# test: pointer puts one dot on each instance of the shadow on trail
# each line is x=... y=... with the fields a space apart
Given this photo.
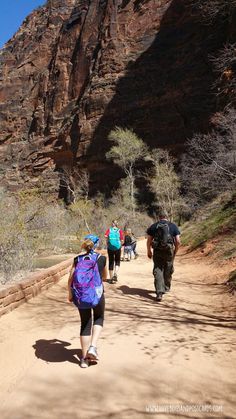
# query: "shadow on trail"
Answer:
x=55 y=350
x=172 y=312
x=127 y=397
x=137 y=291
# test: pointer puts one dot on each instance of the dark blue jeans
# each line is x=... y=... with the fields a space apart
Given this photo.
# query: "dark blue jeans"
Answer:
x=162 y=271
x=133 y=245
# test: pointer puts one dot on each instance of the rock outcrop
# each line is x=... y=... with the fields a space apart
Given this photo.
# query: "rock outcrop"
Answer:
x=77 y=68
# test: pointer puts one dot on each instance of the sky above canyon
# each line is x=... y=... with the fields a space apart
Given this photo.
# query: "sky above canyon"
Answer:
x=12 y=14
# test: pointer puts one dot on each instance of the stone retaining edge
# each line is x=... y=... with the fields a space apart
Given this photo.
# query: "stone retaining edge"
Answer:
x=18 y=293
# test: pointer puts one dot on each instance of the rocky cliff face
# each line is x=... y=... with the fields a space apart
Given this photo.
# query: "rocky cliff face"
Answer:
x=77 y=68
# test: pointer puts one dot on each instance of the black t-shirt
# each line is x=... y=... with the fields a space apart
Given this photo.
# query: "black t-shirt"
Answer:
x=174 y=231
x=128 y=240
x=101 y=263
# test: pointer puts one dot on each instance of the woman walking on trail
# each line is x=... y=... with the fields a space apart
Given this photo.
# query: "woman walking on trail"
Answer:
x=115 y=239
x=85 y=290
x=129 y=245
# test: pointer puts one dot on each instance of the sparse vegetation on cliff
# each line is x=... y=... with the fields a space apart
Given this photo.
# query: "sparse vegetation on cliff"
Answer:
x=214 y=222
x=209 y=166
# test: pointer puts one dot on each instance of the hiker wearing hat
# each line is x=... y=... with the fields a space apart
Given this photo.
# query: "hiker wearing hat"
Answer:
x=85 y=290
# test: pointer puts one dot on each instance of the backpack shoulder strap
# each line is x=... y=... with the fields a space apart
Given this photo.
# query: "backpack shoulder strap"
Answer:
x=95 y=257
x=158 y=225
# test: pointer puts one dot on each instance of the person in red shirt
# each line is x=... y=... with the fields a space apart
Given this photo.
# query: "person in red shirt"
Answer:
x=115 y=240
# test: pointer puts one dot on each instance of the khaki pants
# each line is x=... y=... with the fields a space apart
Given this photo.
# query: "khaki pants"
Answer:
x=162 y=270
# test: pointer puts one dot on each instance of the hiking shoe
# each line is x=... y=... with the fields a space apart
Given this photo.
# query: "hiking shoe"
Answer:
x=92 y=353
x=167 y=289
x=114 y=278
x=110 y=281
x=84 y=363
x=136 y=256
x=159 y=296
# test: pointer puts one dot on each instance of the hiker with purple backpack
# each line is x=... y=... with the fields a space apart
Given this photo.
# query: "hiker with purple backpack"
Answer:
x=85 y=290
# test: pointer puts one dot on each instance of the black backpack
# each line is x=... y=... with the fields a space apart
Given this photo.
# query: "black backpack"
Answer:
x=162 y=239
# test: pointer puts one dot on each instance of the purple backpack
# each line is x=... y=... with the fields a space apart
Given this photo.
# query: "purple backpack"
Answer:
x=87 y=285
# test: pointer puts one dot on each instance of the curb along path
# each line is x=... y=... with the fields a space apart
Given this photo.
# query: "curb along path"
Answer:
x=15 y=294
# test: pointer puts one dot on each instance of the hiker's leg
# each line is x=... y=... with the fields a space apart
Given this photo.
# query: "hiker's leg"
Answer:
x=111 y=258
x=85 y=331
x=134 y=248
x=117 y=260
x=98 y=319
x=123 y=253
x=168 y=271
x=127 y=252
x=158 y=274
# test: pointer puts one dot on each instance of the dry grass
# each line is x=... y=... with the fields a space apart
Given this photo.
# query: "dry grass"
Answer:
x=214 y=228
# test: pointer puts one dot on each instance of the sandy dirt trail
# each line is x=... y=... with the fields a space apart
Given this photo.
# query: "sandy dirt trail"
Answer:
x=177 y=355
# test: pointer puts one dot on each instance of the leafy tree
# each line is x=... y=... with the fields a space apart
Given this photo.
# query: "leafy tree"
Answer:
x=128 y=149
x=165 y=183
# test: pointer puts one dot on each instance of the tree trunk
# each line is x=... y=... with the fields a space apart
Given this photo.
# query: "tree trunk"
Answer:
x=132 y=193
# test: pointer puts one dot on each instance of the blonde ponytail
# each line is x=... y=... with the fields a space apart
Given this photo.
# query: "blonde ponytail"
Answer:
x=87 y=245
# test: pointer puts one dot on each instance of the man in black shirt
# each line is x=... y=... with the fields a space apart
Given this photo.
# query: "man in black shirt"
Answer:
x=163 y=250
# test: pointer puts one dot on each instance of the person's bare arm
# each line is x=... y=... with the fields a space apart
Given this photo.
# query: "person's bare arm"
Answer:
x=149 y=247
x=176 y=244
x=106 y=237
x=70 y=279
x=104 y=273
x=122 y=238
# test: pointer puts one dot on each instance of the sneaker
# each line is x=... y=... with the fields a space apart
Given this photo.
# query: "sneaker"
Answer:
x=84 y=363
x=167 y=289
x=92 y=353
x=136 y=256
x=114 y=279
x=159 y=296
x=110 y=281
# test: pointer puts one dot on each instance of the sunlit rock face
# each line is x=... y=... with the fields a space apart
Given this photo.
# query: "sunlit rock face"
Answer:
x=77 y=68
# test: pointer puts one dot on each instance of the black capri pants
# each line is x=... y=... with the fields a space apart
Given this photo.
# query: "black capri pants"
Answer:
x=114 y=257
x=86 y=317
